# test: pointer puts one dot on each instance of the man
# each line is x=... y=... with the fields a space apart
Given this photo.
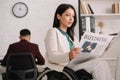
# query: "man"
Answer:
x=24 y=45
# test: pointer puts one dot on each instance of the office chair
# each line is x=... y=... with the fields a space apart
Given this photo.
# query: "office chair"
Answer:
x=21 y=66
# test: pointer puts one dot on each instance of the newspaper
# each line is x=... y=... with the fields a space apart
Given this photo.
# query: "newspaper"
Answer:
x=93 y=45
x=113 y=49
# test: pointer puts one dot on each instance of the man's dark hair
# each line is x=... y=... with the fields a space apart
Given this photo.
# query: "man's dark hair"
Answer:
x=25 y=32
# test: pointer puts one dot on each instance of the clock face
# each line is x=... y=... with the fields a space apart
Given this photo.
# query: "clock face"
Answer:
x=20 y=9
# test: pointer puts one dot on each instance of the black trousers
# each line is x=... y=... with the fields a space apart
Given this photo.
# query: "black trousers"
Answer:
x=56 y=76
x=81 y=74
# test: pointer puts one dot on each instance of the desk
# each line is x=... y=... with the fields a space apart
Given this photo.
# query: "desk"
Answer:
x=2 y=69
x=40 y=68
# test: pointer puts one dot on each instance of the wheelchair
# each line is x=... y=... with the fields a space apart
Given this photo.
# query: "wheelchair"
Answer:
x=66 y=74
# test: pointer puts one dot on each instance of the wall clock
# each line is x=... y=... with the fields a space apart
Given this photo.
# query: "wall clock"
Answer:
x=20 y=9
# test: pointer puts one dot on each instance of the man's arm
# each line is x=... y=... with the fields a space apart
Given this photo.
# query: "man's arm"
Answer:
x=40 y=59
x=4 y=61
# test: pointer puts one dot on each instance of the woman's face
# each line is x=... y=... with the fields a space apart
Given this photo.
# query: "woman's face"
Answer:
x=67 y=18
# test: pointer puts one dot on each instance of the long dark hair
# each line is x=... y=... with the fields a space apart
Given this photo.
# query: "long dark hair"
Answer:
x=60 y=10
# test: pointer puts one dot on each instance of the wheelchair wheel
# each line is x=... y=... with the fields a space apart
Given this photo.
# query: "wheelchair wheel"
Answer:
x=68 y=73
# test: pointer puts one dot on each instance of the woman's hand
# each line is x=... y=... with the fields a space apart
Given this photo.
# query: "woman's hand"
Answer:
x=74 y=53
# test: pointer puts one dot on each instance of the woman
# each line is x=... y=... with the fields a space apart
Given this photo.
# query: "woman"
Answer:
x=62 y=45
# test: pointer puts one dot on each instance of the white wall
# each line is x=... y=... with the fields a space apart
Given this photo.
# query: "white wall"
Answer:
x=39 y=19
